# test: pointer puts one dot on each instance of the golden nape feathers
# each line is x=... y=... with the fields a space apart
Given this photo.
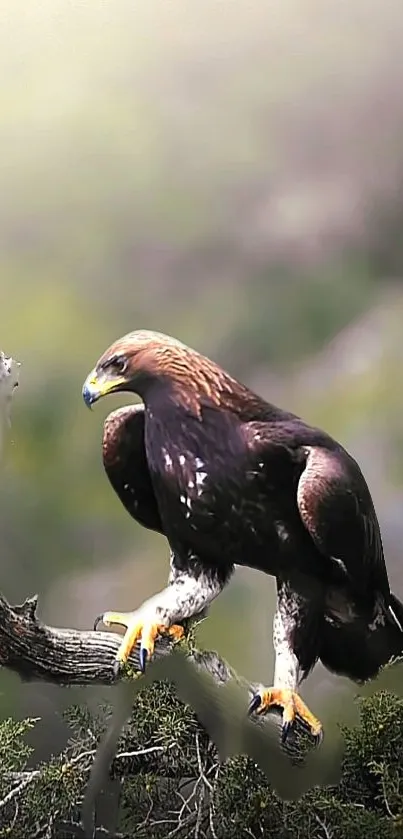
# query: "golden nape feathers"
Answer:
x=144 y=358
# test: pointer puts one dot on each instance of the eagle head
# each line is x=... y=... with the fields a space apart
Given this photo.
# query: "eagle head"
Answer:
x=149 y=363
x=134 y=361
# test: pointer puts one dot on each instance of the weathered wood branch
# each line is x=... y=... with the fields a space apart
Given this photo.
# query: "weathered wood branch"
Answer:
x=62 y=656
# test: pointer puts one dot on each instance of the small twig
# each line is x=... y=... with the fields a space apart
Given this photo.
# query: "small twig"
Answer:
x=188 y=822
x=31 y=776
x=76 y=830
x=211 y=807
x=199 y=811
x=328 y=833
x=199 y=764
x=119 y=756
x=186 y=802
x=385 y=797
x=145 y=821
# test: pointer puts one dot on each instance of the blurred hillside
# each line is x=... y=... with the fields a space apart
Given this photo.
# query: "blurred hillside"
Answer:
x=227 y=172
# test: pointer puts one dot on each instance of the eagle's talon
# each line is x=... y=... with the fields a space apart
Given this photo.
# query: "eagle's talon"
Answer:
x=143 y=656
x=318 y=737
x=292 y=706
x=139 y=626
x=97 y=621
x=254 y=704
x=116 y=668
x=285 y=730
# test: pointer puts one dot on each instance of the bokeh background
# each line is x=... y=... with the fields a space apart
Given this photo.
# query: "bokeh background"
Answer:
x=228 y=172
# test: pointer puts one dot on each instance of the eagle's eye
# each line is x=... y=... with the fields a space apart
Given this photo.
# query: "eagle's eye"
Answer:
x=118 y=365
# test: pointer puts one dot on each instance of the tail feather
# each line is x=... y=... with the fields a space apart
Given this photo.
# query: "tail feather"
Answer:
x=359 y=652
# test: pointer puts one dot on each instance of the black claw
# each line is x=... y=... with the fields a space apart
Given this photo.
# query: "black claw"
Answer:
x=285 y=730
x=97 y=621
x=254 y=704
x=319 y=738
x=116 y=668
x=143 y=655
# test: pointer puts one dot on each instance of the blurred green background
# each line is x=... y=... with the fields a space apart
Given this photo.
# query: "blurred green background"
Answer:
x=228 y=172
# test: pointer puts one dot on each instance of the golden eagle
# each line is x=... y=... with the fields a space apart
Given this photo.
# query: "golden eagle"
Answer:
x=230 y=479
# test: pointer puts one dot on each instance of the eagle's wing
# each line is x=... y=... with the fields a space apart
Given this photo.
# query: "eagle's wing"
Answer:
x=332 y=496
x=336 y=507
x=187 y=594
x=125 y=463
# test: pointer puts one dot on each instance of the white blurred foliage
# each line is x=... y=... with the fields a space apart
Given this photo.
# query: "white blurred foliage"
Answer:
x=9 y=376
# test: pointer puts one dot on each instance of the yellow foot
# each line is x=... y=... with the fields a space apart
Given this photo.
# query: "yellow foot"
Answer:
x=138 y=627
x=292 y=706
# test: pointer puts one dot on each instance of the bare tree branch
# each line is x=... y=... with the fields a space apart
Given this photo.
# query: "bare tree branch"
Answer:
x=62 y=656
x=37 y=652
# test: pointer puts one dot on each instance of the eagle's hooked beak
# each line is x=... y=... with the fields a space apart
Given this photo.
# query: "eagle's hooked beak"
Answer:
x=98 y=384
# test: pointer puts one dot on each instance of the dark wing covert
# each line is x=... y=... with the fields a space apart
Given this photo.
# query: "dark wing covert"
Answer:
x=125 y=463
x=336 y=507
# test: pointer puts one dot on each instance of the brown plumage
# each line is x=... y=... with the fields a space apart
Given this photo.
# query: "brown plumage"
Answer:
x=191 y=378
x=231 y=479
